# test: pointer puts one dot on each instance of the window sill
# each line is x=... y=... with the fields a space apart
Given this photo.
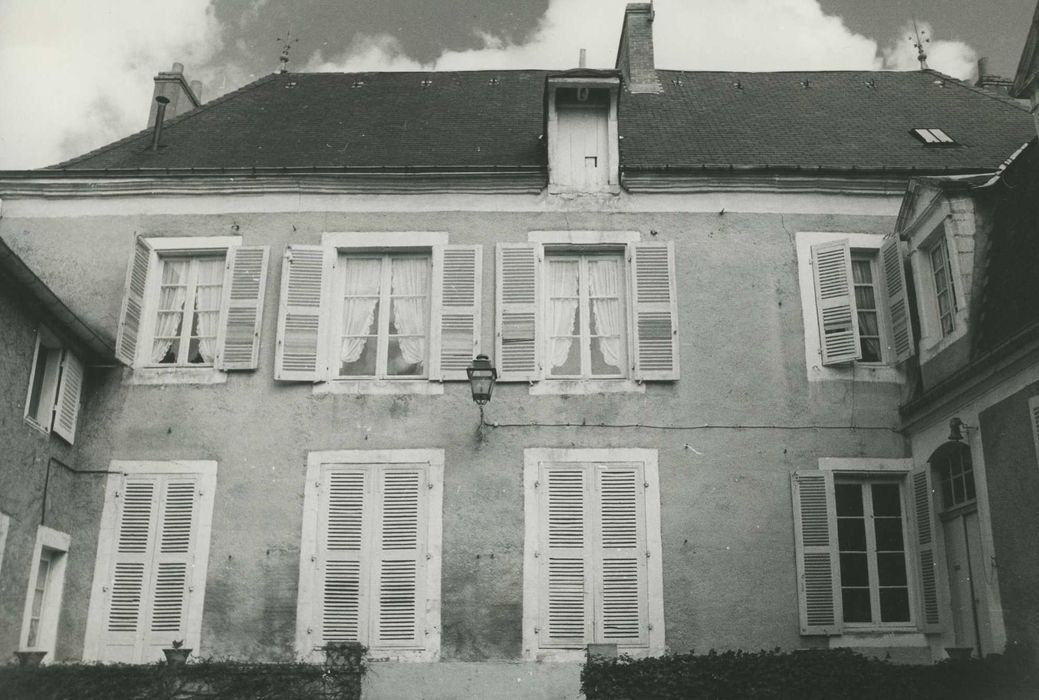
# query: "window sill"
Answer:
x=585 y=387
x=581 y=655
x=381 y=387
x=881 y=374
x=35 y=425
x=892 y=637
x=174 y=375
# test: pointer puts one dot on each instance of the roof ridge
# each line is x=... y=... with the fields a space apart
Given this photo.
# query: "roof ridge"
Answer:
x=167 y=123
x=1010 y=101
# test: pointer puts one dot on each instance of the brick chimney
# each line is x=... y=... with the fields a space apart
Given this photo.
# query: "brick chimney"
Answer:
x=635 y=54
x=992 y=83
x=174 y=86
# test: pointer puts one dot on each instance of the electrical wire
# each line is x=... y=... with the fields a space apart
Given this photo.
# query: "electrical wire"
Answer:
x=703 y=426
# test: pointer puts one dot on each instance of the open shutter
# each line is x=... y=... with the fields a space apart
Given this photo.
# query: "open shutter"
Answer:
x=299 y=355
x=564 y=610
x=133 y=301
x=655 y=311
x=343 y=606
x=516 y=335
x=621 y=601
x=125 y=594
x=245 y=282
x=930 y=619
x=456 y=309
x=399 y=559
x=815 y=543
x=1033 y=417
x=902 y=345
x=835 y=303
x=66 y=408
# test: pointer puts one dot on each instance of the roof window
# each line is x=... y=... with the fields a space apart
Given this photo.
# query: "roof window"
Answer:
x=933 y=137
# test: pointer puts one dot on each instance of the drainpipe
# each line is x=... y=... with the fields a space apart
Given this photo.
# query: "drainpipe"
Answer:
x=160 y=115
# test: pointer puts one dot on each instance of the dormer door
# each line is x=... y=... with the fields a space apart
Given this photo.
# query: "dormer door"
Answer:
x=584 y=148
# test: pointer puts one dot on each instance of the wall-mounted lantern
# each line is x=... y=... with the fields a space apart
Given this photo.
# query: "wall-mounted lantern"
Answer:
x=482 y=376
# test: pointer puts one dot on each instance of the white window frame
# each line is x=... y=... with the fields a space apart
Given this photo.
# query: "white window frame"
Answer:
x=940 y=226
x=146 y=372
x=861 y=244
x=50 y=381
x=310 y=588
x=532 y=460
x=206 y=470
x=47 y=630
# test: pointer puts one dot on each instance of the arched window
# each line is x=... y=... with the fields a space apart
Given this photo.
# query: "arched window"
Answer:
x=954 y=474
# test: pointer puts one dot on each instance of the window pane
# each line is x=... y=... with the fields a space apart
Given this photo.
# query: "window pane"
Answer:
x=849 y=499
x=854 y=570
x=865 y=297
x=889 y=534
x=607 y=356
x=851 y=534
x=969 y=480
x=958 y=492
x=894 y=605
x=37 y=383
x=870 y=350
x=891 y=569
x=887 y=499
x=862 y=271
x=409 y=287
x=855 y=605
x=406 y=356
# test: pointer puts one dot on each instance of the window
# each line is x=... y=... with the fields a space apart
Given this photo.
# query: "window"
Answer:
x=582 y=135
x=150 y=572
x=592 y=570
x=370 y=565
x=941 y=274
x=855 y=306
x=364 y=313
x=44 y=593
x=933 y=137
x=582 y=306
x=192 y=304
x=865 y=558
x=954 y=472
x=55 y=387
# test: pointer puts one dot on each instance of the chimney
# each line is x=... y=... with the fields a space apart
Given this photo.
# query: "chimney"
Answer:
x=174 y=87
x=635 y=54
x=992 y=83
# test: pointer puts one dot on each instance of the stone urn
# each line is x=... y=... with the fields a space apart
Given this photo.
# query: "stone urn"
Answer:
x=30 y=657
x=176 y=656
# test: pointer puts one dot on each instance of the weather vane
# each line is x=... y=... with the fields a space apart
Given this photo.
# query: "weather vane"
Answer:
x=289 y=40
x=919 y=39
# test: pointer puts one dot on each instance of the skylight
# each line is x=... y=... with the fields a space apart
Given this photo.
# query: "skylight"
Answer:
x=933 y=136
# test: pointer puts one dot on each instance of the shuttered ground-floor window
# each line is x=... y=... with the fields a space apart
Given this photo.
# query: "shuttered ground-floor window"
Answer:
x=150 y=573
x=370 y=564
x=592 y=552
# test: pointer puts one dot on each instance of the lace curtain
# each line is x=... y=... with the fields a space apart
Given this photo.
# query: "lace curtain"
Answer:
x=409 y=285
x=362 y=293
x=208 y=292
x=604 y=281
x=171 y=307
x=562 y=282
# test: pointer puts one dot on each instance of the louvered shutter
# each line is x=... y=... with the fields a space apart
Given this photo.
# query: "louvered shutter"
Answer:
x=398 y=561
x=815 y=544
x=930 y=618
x=835 y=303
x=343 y=530
x=124 y=609
x=66 y=408
x=457 y=274
x=299 y=355
x=654 y=312
x=1033 y=416
x=242 y=308
x=621 y=600
x=901 y=331
x=565 y=606
x=133 y=301
x=516 y=334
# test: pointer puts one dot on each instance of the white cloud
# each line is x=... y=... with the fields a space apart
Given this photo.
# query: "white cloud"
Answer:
x=77 y=75
x=953 y=58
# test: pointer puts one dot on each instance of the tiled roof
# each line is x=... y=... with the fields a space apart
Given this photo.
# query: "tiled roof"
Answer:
x=483 y=119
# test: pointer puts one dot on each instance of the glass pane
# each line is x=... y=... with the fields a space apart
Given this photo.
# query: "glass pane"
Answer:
x=406 y=356
x=362 y=352
x=851 y=534
x=37 y=383
x=849 y=499
x=862 y=271
x=891 y=569
x=868 y=323
x=870 y=350
x=889 y=534
x=607 y=356
x=887 y=499
x=855 y=604
x=947 y=493
x=34 y=628
x=968 y=478
x=864 y=298
x=958 y=492
x=567 y=353
x=894 y=605
x=854 y=570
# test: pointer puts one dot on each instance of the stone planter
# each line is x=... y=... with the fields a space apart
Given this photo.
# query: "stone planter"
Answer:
x=176 y=657
x=30 y=658
x=959 y=653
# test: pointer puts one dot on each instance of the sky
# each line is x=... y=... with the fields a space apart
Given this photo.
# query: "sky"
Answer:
x=77 y=74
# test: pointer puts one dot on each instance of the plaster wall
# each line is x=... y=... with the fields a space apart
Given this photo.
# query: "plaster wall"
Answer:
x=727 y=531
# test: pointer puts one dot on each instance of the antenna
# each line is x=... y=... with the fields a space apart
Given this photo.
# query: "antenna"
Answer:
x=288 y=41
x=920 y=38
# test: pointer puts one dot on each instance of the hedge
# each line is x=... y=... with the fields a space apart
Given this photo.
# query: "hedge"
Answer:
x=806 y=675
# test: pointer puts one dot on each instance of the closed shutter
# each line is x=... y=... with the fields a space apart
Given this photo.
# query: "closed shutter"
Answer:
x=133 y=301
x=299 y=355
x=1033 y=417
x=516 y=334
x=930 y=619
x=341 y=569
x=835 y=303
x=457 y=274
x=66 y=408
x=565 y=585
x=655 y=311
x=902 y=345
x=815 y=544
x=245 y=283
x=621 y=600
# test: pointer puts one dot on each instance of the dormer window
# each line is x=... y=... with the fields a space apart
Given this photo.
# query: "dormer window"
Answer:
x=582 y=132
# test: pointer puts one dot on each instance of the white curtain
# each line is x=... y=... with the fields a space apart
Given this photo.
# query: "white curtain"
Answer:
x=171 y=307
x=604 y=281
x=411 y=280
x=208 y=292
x=562 y=282
x=362 y=293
